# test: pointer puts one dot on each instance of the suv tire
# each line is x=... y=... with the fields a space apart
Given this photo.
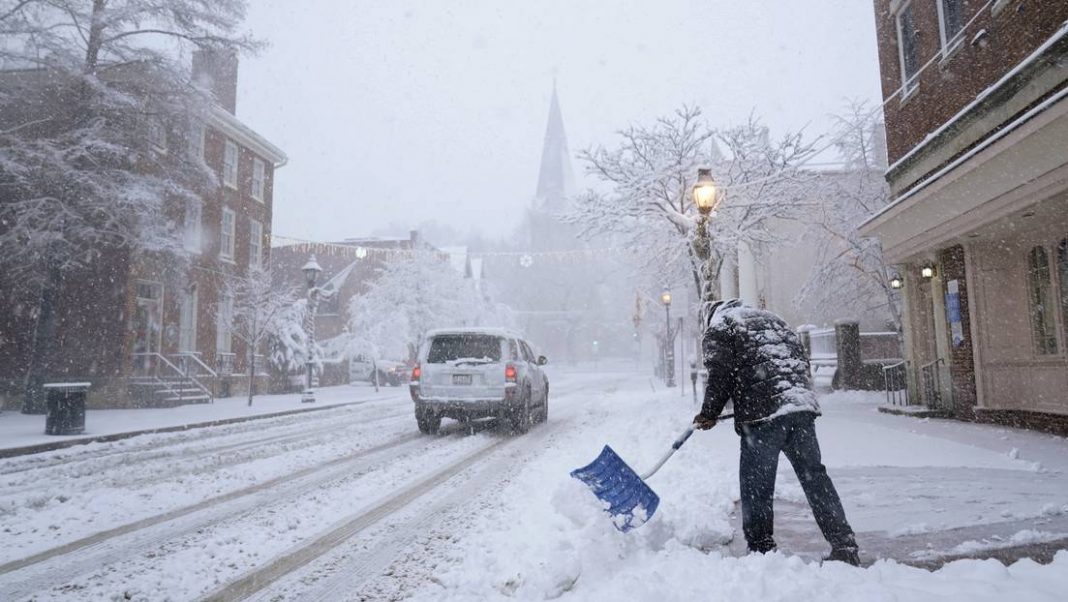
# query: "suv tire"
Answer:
x=543 y=416
x=521 y=416
x=428 y=422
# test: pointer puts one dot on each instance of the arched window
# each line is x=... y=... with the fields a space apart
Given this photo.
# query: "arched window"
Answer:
x=1062 y=269
x=1040 y=293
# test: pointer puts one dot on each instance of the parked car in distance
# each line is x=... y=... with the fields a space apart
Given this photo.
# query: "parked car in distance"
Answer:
x=362 y=369
x=471 y=373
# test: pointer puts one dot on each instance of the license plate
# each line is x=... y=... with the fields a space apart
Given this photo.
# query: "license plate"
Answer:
x=461 y=379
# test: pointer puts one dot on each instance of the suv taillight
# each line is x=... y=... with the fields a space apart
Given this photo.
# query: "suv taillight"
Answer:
x=416 y=373
x=509 y=373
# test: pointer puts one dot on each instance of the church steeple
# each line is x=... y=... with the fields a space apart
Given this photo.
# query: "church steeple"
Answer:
x=555 y=178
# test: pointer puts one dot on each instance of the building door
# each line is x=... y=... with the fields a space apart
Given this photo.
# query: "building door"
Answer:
x=187 y=321
x=147 y=320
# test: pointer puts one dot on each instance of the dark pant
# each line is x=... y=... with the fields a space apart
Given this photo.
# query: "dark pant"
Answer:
x=794 y=435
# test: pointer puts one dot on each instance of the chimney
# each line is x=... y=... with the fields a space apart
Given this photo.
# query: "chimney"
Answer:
x=215 y=69
x=413 y=236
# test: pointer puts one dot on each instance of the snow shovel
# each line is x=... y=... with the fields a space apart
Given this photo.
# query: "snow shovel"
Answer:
x=630 y=501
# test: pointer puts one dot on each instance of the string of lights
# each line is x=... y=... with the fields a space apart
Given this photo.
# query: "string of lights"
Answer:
x=372 y=250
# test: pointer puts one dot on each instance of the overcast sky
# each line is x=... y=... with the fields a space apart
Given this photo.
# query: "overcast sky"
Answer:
x=400 y=111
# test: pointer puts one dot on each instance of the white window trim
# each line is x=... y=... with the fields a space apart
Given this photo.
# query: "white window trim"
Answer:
x=255 y=243
x=224 y=252
x=197 y=140
x=949 y=46
x=229 y=176
x=909 y=85
x=187 y=320
x=224 y=332
x=259 y=168
x=193 y=240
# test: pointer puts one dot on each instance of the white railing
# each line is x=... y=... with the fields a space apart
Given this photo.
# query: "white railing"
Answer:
x=154 y=369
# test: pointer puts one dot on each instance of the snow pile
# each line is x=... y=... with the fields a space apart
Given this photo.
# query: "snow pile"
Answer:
x=550 y=539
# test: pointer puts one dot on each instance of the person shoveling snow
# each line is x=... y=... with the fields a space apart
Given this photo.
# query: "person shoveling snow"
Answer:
x=758 y=363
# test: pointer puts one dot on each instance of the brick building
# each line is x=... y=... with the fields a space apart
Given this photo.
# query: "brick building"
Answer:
x=144 y=329
x=977 y=134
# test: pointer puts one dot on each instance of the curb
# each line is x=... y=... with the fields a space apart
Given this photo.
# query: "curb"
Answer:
x=915 y=413
x=26 y=450
x=1040 y=552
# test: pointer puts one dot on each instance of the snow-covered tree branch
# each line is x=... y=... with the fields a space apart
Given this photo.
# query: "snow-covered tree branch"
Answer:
x=850 y=275
x=255 y=310
x=649 y=178
x=412 y=296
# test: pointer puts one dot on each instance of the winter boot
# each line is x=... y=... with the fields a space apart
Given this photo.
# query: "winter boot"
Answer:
x=846 y=555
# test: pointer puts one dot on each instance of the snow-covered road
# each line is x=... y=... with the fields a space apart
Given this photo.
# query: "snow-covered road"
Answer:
x=351 y=503
x=225 y=511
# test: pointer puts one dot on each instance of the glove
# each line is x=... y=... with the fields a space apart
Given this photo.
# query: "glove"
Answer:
x=703 y=423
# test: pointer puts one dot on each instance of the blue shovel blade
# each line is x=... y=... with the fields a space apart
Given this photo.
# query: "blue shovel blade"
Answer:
x=630 y=501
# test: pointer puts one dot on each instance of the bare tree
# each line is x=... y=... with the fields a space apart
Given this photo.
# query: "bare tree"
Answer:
x=649 y=207
x=411 y=296
x=258 y=311
x=850 y=275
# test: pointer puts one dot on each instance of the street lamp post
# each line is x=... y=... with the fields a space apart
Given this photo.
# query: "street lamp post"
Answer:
x=707 y=198
x=669 y=341
x=311 y=273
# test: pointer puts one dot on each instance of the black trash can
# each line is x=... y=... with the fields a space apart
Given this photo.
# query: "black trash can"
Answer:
x=66 y=408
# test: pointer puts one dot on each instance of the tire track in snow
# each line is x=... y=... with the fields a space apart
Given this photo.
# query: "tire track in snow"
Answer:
x=261 y=578
x=352 y=571
x=104 y=537
x=312 y=436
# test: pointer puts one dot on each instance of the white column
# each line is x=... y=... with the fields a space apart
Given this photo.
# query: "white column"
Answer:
x=748 y=290
x=728 y=277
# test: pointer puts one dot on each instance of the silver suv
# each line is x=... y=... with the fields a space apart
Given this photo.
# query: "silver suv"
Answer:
x=469 y=373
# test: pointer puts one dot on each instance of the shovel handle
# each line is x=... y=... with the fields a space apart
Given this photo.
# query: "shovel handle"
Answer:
x=676 y=445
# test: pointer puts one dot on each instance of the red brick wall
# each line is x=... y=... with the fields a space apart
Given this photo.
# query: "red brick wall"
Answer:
x=945 y=88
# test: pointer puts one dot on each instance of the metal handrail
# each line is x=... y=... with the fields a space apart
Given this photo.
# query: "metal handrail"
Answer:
x=195 y=356
x=932 y=386
x=181 y=375
x=207 y=371
x=893 y=393
x=929 y=364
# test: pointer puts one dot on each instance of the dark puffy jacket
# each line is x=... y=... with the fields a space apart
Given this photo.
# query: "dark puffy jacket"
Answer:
x=754 y=359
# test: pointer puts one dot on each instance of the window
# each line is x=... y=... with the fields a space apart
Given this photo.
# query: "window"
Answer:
x=192 y=236
x=157 y=134
x=259 y=171
x=528 y=355
x=907 y=44
x=464 y=349
x=226 y=234
x=147 y=322
x=230 y=164
x=223 y=326
x=255 y=244
x=196 y=142
x=187 y=321
x=1062 y=272
x=950 y=23
x=1040 y=293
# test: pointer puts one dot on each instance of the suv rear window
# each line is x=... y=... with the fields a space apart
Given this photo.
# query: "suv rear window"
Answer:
x=452 y=347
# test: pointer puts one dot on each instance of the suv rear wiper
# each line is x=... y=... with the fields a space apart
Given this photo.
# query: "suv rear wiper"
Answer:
x=472 y=361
